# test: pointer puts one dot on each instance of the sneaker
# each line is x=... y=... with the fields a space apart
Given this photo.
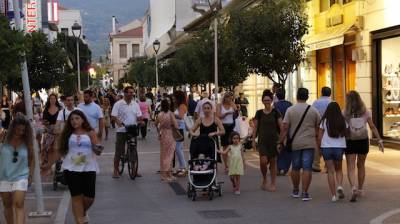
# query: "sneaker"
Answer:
x=305 y=196
x=237 y=192
x=334 y=198
x=295 y=194
x=340 y=192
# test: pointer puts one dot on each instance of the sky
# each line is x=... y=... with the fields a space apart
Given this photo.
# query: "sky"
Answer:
x=97 y=14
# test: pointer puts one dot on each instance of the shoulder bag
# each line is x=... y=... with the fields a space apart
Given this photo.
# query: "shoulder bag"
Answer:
x=175 y=132
x=289 y=141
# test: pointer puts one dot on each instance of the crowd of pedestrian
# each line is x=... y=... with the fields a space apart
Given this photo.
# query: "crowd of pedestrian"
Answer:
x=290 y=138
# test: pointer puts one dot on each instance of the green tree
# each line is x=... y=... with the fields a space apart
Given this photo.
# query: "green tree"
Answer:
x=142 y=71
x=46 y=62
x=269 y=37
x=12 y=46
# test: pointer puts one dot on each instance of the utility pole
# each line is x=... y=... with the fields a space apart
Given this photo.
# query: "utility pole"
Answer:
x=28 y=107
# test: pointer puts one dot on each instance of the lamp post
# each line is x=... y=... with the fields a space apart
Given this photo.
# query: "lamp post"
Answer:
x=77 y=31
x=156 y=48
x=214 y=6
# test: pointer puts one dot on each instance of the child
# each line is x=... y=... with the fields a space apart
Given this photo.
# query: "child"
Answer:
x=235 y=161
x=332 y=141
x=106 y=111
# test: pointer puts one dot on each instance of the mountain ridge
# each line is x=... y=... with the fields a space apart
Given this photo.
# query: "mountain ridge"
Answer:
x=97 y=14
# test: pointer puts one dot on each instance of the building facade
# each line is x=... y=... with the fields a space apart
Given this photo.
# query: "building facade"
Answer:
x=67 y=18
x=125 y=46
x=354 y=45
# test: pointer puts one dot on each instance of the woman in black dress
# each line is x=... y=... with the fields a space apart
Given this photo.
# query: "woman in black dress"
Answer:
x=50 y=114
x=5 y=107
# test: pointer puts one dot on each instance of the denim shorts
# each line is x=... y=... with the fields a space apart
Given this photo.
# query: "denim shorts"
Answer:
x=302 y=158
x=332 y=153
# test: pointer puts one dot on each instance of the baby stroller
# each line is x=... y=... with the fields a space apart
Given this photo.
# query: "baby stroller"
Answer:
x=58 y=175
x=202 y=170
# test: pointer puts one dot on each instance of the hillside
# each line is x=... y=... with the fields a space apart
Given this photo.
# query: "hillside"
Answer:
x=97 y=18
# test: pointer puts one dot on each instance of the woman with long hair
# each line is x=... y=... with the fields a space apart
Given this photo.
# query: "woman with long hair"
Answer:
x=79 y=146
x=332 y=142
x=165 y=121
x=225 y=112
x=180 y=113
x=16 y=168
x=267 y=126
x=357 y=149
x=50 y=114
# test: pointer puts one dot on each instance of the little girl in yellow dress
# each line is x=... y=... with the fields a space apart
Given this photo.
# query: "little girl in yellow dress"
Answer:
x=235 y=161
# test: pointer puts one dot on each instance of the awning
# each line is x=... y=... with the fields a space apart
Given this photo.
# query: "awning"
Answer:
x=331 y=37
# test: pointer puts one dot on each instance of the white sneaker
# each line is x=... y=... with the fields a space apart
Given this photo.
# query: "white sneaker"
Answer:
x=237 y=192
x=334 y=198
x=340 y=192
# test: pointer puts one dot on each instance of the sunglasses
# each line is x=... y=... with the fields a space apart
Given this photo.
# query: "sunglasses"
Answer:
x=15 y=157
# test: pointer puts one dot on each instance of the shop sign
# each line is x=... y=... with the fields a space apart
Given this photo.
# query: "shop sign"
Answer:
x=334 y=20
x=32 y=16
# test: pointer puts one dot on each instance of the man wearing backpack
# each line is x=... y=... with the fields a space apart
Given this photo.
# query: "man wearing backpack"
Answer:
x=301 y=121
x=64 y=113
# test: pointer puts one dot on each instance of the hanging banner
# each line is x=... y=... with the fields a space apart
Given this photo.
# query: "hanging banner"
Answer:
x=33 y=16
x=3 y=7
x=52 y=11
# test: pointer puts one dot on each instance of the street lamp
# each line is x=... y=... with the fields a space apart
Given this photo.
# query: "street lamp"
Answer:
x=156 y=48
x=77 y=31
x=214 y=7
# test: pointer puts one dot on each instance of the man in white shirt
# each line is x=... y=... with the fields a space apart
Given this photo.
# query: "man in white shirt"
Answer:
x=198 y=112
x=125 y=112
x=321 y=104
x=93 y=113
x=64 y=113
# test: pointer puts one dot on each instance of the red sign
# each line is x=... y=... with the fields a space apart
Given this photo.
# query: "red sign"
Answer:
x=32 y=18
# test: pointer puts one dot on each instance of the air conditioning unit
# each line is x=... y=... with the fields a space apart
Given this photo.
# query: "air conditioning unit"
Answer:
x=359 y=23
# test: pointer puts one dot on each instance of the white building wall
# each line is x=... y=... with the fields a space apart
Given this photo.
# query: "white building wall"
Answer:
x=68 y=18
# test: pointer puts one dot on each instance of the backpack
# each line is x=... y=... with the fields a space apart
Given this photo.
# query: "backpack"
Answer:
x=358 y=128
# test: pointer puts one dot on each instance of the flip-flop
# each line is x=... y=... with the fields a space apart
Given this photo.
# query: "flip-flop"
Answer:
x=116 y=176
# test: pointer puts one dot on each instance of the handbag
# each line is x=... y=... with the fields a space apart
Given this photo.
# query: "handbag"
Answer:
x=289 y=141
x=175 y=131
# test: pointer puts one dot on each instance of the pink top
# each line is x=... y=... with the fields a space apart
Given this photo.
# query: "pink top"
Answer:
x=144 y=108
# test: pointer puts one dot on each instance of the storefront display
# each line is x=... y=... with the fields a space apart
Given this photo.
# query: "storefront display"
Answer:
x=390 y=66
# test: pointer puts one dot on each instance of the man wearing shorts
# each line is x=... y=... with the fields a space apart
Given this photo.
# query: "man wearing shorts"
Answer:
x=304 y=143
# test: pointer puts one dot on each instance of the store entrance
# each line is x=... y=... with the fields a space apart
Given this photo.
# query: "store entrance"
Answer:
x=337 y=70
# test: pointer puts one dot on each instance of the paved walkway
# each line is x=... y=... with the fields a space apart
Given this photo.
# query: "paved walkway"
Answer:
x=147 y=200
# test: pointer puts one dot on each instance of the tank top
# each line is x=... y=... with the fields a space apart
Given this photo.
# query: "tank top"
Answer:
x=13 y=171
x=228 y=119
x=205 y=130
x=80 y=157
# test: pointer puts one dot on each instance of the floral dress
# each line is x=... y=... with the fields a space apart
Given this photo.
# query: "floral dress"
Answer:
x=167 y=141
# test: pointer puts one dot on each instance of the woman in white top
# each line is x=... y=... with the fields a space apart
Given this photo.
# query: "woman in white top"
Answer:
x=225 y=112
x=332 y=141
x=79 y=145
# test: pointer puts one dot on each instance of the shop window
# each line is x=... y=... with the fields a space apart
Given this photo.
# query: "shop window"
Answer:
x=390 y=65
x=123 y=51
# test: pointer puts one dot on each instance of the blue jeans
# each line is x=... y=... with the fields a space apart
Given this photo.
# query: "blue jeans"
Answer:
x=332 y=153
x=180 y=154
x=302 y=158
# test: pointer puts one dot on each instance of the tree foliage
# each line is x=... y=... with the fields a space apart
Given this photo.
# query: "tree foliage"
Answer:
x=269 y=37
x=142 y=71
x=46 y=62
x=11 y=48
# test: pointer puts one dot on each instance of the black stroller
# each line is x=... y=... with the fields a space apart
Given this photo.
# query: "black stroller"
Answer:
x=58 y=175
x=202 y=172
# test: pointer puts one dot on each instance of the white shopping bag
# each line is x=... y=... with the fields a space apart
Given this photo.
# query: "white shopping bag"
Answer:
x=242 y=126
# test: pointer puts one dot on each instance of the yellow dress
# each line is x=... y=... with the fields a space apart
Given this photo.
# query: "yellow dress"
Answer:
x=235 y=160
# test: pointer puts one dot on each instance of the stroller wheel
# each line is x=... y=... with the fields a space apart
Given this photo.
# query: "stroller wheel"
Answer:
x=55 y=185
x=194 y=196
x=210 y=194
